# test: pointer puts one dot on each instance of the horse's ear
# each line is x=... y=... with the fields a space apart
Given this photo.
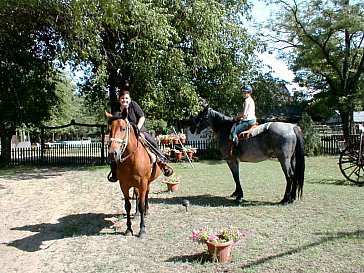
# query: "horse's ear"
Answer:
x=206 y=108
x=124 y=113
x=204 y=103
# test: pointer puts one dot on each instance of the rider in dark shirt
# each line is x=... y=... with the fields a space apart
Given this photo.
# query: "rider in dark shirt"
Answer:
x=136 y=115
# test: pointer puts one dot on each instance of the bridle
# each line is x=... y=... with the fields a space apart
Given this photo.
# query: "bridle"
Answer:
x=200 y=119
x=123 y=144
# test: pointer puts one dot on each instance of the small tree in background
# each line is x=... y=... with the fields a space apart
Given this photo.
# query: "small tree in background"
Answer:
x=310 y=136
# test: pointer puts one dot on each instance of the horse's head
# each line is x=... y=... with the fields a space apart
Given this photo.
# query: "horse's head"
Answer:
x=119 y=129
x=201 y=122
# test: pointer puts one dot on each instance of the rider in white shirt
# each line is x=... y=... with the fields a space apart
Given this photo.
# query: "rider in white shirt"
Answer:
x=245 y=118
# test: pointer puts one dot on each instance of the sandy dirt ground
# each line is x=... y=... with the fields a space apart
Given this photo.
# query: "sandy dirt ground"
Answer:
x=38 y=211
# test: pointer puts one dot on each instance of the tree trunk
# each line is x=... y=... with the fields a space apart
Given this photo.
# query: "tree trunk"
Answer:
x=5 y=156
x=346 y=123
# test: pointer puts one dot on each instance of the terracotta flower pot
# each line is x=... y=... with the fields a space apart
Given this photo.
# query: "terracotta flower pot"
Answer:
x=178 y=156
x=183 y=140
x=172 y=186
x=220 y=252
x=190 y=154
x=175 y=141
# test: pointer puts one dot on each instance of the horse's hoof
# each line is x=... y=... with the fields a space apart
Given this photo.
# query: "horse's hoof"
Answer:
x=128 y=233
x=286 y=201
x=239 y=200
x=142 y=235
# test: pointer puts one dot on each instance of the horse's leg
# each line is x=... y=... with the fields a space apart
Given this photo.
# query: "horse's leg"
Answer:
x=129 y=231
x=136 y=197
x=288 y=173
x=147 y=201
x=234 y=168
x=294 y=180
x=142 y=198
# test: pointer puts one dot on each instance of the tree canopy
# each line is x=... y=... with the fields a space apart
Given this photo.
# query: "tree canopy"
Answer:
x=172 y=53
x=323 y=41
x=28 y=48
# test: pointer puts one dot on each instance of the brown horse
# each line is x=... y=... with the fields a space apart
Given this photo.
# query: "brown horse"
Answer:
x=134 y=166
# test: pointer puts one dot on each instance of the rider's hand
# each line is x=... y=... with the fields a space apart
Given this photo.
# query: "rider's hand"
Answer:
x=107 y=115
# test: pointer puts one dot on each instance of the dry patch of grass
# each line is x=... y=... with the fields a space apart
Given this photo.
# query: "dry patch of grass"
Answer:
x=71 y=220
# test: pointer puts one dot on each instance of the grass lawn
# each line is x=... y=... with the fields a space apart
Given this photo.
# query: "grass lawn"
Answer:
x=60 y=218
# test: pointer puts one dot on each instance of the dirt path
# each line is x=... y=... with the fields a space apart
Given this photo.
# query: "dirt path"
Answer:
x=37 y=211
x=71 y=220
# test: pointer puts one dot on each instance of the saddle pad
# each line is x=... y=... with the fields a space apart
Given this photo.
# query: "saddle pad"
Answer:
x=254 y=131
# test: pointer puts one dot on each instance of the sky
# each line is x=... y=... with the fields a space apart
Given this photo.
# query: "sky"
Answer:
x=260 y=13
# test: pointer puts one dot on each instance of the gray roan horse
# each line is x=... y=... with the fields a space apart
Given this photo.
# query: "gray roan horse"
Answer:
x=282 y=140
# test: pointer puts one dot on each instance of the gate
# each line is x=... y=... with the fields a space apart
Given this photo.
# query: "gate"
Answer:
x=80 y=152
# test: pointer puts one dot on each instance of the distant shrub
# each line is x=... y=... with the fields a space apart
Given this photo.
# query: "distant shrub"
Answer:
x=310 y=136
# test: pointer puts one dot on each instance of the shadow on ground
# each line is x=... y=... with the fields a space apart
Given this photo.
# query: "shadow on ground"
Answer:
x=208 y=201
x=339 y=182
x=326 y=237
x=67 y=227
x=202 y=258
x=30 y=173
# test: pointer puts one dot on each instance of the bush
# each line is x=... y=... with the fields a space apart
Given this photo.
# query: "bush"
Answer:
x=157 y=125
x=310 y=136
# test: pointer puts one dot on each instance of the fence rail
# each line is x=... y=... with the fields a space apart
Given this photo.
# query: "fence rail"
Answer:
x=92 y=154
x=329 y=143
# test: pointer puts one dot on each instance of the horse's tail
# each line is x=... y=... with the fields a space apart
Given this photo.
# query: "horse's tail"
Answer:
x=299 y=168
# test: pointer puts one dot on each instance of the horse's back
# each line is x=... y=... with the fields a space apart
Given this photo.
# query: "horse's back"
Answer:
x=278 y=140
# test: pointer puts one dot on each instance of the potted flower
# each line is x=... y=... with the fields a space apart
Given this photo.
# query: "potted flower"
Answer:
x=182 y=137
x=164 y=139
x=174 y=138
x=167 y=152
x=172 y=182
x=177 y=154
x=219 y=243
x=190 y=151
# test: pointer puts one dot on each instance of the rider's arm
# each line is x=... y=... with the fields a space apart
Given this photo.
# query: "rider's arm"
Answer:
x=242 y=114
x=141 y=122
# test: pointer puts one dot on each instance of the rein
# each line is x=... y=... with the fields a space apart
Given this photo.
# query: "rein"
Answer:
x=124 y=144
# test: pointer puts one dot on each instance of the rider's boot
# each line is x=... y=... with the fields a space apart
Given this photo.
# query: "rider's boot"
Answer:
x=165 y=168
x=112 y=175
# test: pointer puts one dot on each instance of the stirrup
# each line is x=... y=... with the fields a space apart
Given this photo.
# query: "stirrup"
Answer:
x=166 y=169
x=111 y=178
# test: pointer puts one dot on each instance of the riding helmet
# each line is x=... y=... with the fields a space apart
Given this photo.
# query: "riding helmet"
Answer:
x=247 y=88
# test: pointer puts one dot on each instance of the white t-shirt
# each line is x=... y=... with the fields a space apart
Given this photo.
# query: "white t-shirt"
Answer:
x=250 y=113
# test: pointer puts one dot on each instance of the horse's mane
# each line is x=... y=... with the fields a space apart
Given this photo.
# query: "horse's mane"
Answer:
x=220 y=122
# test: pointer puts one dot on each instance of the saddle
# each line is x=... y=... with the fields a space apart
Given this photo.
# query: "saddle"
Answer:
x=149 y=148
x=254 y=130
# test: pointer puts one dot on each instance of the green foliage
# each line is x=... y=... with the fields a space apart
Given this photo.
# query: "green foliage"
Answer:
x=157 y=125
x=172 y=53
x=311 y=138
x=270 y=95
x=28 y=50
x=325 y=46
x=71 y=106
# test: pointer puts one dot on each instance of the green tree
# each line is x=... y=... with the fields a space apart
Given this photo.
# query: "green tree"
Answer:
x=172 y=53
x=310 y=136
x=28 y=49
x=71 y=106
x=271 y=94
x=323 y=41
